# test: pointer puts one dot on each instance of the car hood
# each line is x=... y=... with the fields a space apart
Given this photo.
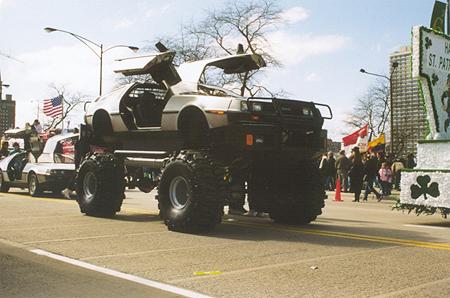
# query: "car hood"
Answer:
x=43 y=168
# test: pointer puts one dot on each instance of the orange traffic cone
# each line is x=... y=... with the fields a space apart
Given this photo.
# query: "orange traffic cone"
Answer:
x=337 y=196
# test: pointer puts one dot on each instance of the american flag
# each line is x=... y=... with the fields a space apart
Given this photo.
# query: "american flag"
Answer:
x=53 y=107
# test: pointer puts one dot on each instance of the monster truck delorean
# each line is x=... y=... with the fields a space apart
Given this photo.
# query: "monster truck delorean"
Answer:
x=203 y=146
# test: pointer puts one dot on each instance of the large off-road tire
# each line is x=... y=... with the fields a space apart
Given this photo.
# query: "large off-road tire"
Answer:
x=34 y=189
x=298 y=194
x=4 y=186
x=100 y=185
x=191 y=192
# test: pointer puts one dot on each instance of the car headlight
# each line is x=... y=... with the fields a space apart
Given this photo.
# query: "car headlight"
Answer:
x=306 y=112
x=55 y=172
x=244 y=106
x=257 y=107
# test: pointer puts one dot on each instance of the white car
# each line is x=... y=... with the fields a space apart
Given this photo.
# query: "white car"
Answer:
x=52 y=171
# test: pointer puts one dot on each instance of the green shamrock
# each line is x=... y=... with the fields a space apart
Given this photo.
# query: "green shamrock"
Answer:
x=428 y=42
x=434 y=79
x=423 y=188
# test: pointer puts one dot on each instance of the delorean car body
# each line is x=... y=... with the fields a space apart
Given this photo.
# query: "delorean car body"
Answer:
x=52 y=171
x=178 y=91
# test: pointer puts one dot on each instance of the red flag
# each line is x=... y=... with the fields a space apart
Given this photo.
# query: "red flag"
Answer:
x=353 y=137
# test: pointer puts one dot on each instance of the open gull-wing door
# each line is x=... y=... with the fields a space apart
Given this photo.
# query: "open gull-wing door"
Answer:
x=239 y=63
x=159 y=66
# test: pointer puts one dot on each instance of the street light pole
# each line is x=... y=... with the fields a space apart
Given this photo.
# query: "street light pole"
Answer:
x=101 y=68
x=394 y=67
x=89 y=43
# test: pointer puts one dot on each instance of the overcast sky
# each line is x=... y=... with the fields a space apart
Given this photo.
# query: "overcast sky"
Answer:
x=321 y=43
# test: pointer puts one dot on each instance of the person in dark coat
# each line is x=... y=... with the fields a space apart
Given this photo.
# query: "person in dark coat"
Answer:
x=371 y=174
x=330 y=172
x=410 y=161
x=356 y=173
x=4 y=151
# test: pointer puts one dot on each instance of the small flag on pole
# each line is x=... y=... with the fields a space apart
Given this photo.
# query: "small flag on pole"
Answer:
x=356 y=139
x=378 y=144
x=53 y=107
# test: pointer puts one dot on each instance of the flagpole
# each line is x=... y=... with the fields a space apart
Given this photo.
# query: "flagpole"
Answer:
x=62 y=115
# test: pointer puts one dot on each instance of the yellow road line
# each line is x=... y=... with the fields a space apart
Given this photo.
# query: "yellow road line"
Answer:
x=405 y=242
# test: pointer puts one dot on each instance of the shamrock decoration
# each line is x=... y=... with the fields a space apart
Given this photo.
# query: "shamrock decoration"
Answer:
x=423 y=188
x=434 y=79
x=428 y=42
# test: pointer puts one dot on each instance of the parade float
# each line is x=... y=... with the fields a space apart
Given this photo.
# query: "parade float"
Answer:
x=426 y=188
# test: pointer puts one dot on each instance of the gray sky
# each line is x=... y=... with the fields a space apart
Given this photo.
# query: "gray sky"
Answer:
x=322 y=44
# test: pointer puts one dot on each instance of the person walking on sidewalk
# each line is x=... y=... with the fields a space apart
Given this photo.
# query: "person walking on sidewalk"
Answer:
x=371 y=174
x=356 y=173
x=343 y=165
x=385 y=174
x=396 y=168
x=330 y=172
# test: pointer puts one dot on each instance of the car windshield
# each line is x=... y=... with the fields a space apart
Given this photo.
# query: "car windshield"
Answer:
x=216 y=91
x=215 y=82
x=65 y=151
x=63 y=158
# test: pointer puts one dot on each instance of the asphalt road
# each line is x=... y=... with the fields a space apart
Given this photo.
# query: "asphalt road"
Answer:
x=25 y=274
x=352 y=250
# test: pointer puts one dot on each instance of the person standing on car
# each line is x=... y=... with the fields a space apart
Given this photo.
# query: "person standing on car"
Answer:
x=356 y=173
x=37 y=126
x=343 y=165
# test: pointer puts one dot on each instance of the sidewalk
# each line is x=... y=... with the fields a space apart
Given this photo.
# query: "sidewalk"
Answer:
x=349 y=196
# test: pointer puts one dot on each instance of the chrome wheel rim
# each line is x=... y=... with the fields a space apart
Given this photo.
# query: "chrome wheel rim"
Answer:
x=179 y=192
x=32 y=184
x=89 y=186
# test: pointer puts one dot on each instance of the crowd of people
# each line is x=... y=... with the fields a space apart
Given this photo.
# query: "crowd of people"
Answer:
x=368 y=172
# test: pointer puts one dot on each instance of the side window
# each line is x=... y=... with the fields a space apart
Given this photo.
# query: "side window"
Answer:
x=143 y=105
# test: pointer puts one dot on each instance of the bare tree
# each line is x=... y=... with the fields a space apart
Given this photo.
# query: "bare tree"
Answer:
x=124 y=80
x=218 y=34
x=70 y=102
x=372 y=108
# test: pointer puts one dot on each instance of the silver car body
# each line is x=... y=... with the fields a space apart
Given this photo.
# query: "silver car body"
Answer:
x=45 y=168
x=188 y=90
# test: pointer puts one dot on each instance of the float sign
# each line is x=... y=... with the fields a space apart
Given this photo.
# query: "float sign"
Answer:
x=431 y=65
